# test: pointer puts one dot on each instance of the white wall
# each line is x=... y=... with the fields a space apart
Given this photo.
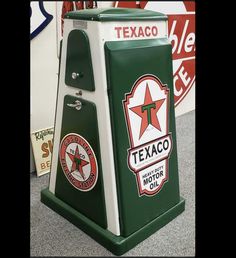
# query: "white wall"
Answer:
x=43 y=74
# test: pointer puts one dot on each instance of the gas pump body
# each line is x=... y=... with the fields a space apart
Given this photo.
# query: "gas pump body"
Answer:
x=114 y=167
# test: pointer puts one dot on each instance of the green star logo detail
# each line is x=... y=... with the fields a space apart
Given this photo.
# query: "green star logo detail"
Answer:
x=148 y=112
x=77 y=162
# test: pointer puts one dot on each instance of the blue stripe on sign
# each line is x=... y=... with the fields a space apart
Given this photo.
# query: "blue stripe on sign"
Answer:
x=48 y=19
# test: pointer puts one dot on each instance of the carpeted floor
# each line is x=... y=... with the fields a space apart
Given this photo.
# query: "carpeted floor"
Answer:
x=52 y=235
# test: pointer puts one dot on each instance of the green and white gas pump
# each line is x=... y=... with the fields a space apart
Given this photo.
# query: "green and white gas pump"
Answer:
x=114 y=170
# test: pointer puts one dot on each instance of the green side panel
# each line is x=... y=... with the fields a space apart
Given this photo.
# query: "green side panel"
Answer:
x=84 y=123
x=126 y=61
x=78 y=61
x=115 y=14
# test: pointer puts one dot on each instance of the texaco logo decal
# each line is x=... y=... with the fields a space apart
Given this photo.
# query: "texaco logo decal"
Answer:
x=78 y=162
x=146 y=110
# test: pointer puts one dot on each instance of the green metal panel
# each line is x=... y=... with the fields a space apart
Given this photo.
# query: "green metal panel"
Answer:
x=116 y=244
x=78 y=61
x=115 y=14
x=84 y=123
x=126 y=61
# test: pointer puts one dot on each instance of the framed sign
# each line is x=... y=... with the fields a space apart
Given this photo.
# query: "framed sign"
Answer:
x=42 y=144
x=39 y=18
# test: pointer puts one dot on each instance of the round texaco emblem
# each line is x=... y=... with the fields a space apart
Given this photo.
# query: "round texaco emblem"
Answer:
x=78 y=162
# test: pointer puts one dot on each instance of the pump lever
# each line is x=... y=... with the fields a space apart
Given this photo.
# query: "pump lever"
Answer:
x=77 y=105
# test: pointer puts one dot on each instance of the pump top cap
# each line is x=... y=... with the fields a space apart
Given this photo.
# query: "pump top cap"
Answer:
x=115 y=14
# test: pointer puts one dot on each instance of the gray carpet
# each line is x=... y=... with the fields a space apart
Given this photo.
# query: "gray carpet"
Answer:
x=52 y=235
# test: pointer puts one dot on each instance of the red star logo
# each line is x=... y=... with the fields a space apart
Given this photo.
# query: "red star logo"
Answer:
x=148 y=112
x=77 y=162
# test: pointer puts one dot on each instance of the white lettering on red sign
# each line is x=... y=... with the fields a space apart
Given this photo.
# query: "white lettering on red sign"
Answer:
x=182 y=35
x=136 y=32
x=183 y=79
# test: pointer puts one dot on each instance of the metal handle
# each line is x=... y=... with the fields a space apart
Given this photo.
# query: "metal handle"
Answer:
x=77 y=105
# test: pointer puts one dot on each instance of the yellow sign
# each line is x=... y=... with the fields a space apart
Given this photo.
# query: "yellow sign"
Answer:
x=42 y=144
